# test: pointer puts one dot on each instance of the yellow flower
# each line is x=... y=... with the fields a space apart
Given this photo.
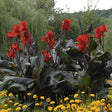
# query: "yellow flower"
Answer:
x=18 y=108
x=36 y=104
x=48 y=100
x=76 y=95
x=55 y=109
x=10 y=101
x=102 y=100
x=72 y=101
x=5 y=105
x=24 y=106
x=66 y=98
x=20 y=105
x=10 y=94
x=110 y=109
x=83 y=92
x=49 y=108
x=77 y=101
x=92 y=95
x=34 y=96
x=42 y=97
x=61 y=101
x=9 y=109
x=29 y=94
x=52 y=102
x=16 y=104
x=63 y=108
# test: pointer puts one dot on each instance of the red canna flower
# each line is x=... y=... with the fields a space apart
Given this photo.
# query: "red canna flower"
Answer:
x=17 y=30
x=83 y=41
x=11 y=53
x=10 y=34
x=99 y=32
x=24 y=26
x=49 y=38
x=46 y=55
x=15 y=47
x=43 y=39
x=66 y=24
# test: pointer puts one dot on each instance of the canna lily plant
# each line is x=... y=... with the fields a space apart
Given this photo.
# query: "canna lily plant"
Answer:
x=61 y=68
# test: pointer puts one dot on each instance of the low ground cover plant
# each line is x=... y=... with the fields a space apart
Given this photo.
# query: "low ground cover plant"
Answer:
x=63 y=68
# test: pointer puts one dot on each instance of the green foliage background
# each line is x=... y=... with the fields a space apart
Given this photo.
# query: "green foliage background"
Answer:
x=35 y=12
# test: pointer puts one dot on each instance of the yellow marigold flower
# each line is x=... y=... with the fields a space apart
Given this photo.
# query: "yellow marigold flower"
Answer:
x=3 y=102
x=29 y=94
x=108 y=105
x=63 y=108
x=52 y=102
x=24 y=106
x=108 y=81
x=49 y=108
x=66 y=98
x=77 y=101
x=10 y=94
x=36 y=104
x=93 y=108
x=73 y=105
x=55 y=109
x=34 y=96
x=102 y=100
x=104 y=108
x=92 y=95
x=76 y=95
x=9 y=109
x=42 y=97
x=10 y=101
x=18 y=108
x=5 y=105
x=110 y=109
x=61 y=101
x=83 y=92
x=68 y=106
x=16 y=104
x=72 y=101
x=20 y=105
x=48 y=100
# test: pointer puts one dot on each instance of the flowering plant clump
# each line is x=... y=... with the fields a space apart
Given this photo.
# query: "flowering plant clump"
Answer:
x=61 y=68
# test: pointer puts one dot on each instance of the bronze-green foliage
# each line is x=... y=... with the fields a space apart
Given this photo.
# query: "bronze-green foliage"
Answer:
x=35 y=12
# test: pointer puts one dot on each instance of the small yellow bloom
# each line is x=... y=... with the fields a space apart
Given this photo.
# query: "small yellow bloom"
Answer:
x=72 y=101
x=24 y=106
x=48 y=100
x=34 y=96
x=20 y=105
x=83 y=92
x=66 y=98
x=36 y=104
x=92 y=95
x=55 y=109
x=18 y=108
x=16 y=104
x=5 y=105
x=10 y=101
x=52 y=102
x=76 y=95
x=42 y=97
x=29 y=94
x=49 y=108
x=102 y=100
x=63 y=108
x=41 y=103
x=10 y=94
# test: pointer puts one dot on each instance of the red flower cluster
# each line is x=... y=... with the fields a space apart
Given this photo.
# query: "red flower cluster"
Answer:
x=21 y=32
x=46 y=55
x=66 y=24
x=49 y=38
x=100 y=31
x=12 y=51
x=18 y=30
x=83 y=41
